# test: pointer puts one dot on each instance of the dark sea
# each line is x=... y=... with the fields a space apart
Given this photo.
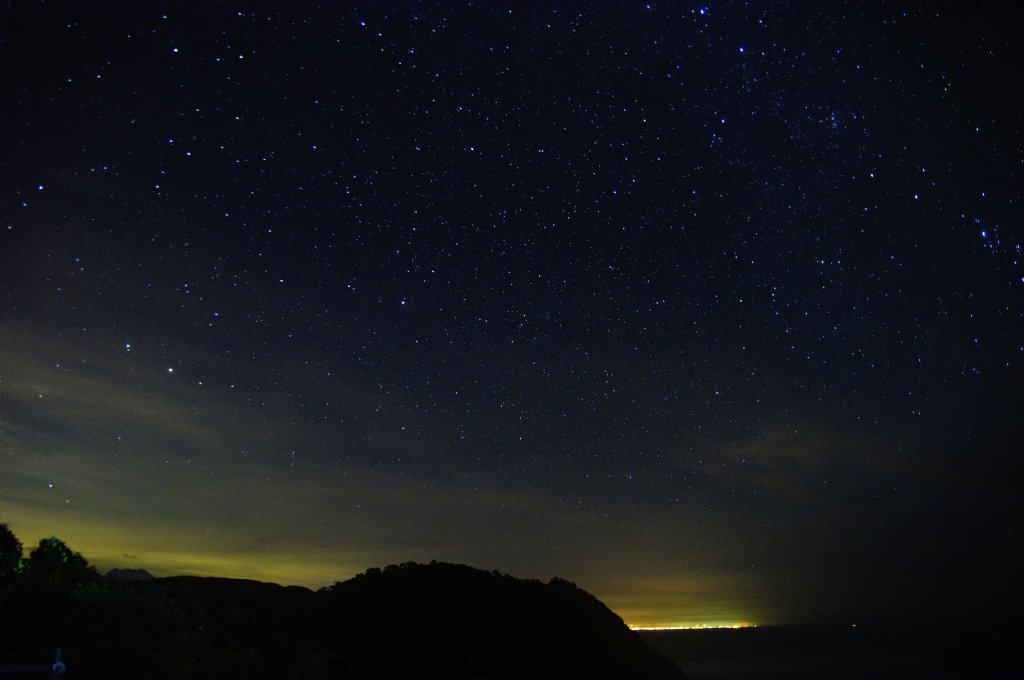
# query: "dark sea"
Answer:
x=932 y=651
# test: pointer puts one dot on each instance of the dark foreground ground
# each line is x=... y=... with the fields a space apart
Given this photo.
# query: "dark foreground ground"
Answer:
x=933 y=652
x=411 y=621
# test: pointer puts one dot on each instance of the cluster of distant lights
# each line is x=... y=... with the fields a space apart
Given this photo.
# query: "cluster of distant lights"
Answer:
x=705 y=626
x=699 y=626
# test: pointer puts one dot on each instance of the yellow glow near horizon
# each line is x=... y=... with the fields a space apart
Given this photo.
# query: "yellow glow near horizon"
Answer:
x=697 y=626
x=154 y=549
x=681 y=599
x=104 y=547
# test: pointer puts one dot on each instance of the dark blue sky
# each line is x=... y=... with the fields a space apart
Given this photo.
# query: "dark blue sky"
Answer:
x=715 y=309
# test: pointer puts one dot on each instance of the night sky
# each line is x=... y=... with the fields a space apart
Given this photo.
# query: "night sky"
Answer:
x=716 y=310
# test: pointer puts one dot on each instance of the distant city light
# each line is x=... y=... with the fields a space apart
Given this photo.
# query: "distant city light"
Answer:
x=698 y=626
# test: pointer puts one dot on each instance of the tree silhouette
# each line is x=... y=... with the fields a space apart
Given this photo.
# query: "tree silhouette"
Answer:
x=10 y=559
x=42 y=594
x=54 y=561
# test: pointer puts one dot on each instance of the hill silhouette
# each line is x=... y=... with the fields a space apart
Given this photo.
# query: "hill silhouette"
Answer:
x=427 y=621
x=128 y=575
x=433 y=620
x=447 y=620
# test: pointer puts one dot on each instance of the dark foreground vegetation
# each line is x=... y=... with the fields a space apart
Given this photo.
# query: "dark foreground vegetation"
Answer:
x=405 y=621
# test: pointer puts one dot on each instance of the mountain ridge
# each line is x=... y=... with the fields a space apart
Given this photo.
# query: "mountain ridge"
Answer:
x=436 y=620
